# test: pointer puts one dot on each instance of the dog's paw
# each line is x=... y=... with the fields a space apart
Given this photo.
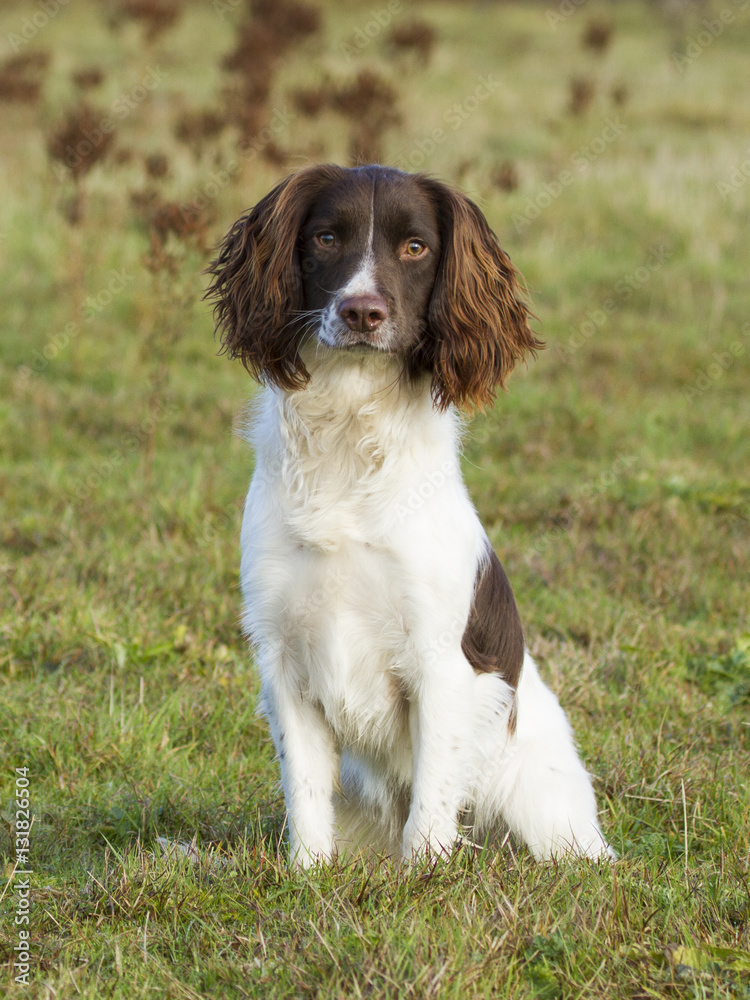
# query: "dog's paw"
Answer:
x=590 y=845
x=421 y=840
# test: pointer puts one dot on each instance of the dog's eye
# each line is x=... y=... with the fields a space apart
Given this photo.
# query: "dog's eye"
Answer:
x=415 y=248
x=326 y=240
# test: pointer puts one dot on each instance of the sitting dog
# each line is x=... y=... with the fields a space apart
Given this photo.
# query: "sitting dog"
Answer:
x=376 y=305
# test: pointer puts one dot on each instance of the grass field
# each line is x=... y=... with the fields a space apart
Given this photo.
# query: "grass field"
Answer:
x=609 y=145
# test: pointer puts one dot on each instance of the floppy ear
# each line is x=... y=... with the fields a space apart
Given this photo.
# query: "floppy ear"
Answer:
x=257 y=282
x=477 y=321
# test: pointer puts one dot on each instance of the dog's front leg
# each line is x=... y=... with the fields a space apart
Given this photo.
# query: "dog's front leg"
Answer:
x=309 y=761
x=440 y=724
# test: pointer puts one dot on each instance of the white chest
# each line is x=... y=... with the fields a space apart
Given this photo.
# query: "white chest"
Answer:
x=359 y=547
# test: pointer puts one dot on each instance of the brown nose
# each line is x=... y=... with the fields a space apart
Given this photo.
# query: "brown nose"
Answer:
x=363 y=312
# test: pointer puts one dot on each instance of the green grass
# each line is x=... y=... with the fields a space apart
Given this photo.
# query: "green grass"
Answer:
x=613 y=477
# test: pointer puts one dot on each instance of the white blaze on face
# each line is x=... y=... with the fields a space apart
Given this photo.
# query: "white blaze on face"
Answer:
x=362 y=281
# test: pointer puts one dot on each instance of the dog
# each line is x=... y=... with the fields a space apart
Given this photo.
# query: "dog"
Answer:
x=376 y=306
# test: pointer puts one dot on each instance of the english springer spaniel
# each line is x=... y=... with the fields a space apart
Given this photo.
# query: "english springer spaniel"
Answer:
x=375 y=306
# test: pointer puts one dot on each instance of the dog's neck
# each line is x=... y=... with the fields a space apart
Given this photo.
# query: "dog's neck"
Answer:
x=356 y=379
x=350 y=442
x=360 y=396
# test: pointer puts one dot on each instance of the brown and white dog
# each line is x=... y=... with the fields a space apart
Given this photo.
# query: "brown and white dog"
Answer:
x=374 y=305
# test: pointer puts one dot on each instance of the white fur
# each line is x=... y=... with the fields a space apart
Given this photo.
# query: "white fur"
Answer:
x=360 y=549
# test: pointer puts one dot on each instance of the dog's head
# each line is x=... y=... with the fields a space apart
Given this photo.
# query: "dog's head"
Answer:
x=371 y=258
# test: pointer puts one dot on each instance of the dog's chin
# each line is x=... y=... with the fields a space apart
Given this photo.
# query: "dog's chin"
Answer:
x=357 y=343
x=364 y=347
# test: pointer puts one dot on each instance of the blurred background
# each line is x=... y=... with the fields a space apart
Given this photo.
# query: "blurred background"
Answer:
x=608 y=143
x=609 y=146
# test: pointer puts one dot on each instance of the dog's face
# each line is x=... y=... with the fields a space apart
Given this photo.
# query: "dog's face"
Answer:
x=372 y=258
x=369 y=253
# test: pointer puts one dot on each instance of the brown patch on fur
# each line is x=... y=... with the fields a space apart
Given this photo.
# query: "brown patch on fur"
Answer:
x=257 y=284
x=493 y=639
x=477 y=324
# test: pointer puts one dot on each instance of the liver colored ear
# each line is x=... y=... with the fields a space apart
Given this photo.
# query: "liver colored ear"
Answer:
x=257 y=282
x=477 y=323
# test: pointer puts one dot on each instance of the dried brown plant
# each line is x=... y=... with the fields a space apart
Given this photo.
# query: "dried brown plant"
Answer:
x=311 y=101
x=597 y=35
x=16 y=88
x=81 y=141
x=582 y=92
x=143 y=203
x=272 y=26
x=288 y=19
x=28 y=62
x=157 y=165
x=417 y=36
x=164 y=219
x=195 y=128
x=87 y=78
x=275 y=154
x=619 y=94
x=370 y=102
x=368 y=95
x=21 y=76
x=254 y=58
x=249 y=116
x=155 y=16
x=122 y=155
x=505 y=176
